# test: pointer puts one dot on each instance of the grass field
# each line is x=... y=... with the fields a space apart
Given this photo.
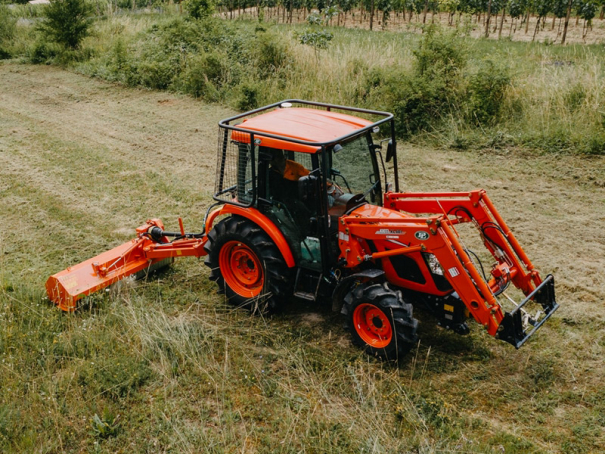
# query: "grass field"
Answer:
x=167 y=366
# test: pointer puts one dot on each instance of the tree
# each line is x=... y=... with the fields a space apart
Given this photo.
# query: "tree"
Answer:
x=567 y=14
x=516 y=9
x=67 y=22
x=449 y=6
x=543 y=7
x=200 y=9
x=559 y=9
x=587 y=11
x=315 y=37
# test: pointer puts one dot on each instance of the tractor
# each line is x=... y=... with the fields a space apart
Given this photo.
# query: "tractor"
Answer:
x=308 y=205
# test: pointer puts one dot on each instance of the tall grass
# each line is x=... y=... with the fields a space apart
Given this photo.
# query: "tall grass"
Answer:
x=153 y=368
x=505 y=94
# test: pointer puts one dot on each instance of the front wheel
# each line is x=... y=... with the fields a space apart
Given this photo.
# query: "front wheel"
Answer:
x=380 y=321
x=247 y=265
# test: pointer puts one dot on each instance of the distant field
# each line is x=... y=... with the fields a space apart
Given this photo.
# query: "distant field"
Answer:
x=167 y=366
x=550 y=29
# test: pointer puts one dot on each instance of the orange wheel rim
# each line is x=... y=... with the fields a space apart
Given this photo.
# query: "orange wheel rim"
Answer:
x=241 y=269
x=372 y=325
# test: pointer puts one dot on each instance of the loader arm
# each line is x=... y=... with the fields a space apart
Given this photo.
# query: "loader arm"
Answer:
x=474 y=206
x=427 y=223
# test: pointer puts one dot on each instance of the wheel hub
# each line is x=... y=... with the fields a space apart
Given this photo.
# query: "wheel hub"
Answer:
x=372 y=325
x=241 y=269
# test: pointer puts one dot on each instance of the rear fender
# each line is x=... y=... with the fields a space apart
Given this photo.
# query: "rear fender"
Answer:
x=263 y=222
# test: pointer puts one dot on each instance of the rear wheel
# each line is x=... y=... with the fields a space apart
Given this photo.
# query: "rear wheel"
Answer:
x=247 y=265
x=380 y=321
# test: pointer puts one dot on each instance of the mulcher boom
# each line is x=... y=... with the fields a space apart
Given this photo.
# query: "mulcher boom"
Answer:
x=149 y=248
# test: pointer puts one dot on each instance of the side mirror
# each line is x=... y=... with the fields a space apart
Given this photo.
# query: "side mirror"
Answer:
x=308 y=188
x=390 y=151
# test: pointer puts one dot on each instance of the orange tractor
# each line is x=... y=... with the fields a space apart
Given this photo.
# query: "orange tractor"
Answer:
x=305 y=208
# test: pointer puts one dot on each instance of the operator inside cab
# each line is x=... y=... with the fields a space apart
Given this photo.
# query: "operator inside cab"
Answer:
x=292 y=171
x=288 y=169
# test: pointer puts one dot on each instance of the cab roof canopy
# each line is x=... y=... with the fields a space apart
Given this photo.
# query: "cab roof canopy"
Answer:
x=313 y=126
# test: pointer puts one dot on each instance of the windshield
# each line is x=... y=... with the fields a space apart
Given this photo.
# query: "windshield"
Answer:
x=353 y=170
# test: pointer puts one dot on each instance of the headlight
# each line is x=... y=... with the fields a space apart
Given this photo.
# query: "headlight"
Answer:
x=433 y=264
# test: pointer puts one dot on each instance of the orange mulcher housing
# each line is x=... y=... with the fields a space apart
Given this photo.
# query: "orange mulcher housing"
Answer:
x=306 y=211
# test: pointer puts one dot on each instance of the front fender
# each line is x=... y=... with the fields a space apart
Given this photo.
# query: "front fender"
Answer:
x=344 y=285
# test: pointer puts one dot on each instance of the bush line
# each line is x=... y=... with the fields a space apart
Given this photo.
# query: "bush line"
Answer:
x=444 y=89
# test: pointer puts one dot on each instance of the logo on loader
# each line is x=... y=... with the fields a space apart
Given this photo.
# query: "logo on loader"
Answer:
x=389 y=232
x=421 y=235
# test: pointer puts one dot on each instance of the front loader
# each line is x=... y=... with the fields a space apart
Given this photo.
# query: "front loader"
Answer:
x=305 y=208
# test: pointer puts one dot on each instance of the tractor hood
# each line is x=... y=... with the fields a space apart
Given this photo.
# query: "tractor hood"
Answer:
x=373 y=211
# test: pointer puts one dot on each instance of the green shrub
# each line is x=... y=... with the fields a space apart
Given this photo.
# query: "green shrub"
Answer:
x=373 y=84
x=157 y=74
x=421 y=100
x=249 y=97
x=440 y=55
x=487 y=90
x=118 y=57
x=318 y=39
x=271 y=54
x=209 y=59
x=158 y=55
x=205 y=75
x=420 y=104
x=67 y=22
x=199 y=9
x=8 y=26
x=42 y=52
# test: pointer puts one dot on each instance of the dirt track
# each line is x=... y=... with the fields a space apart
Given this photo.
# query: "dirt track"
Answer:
x=83 y=162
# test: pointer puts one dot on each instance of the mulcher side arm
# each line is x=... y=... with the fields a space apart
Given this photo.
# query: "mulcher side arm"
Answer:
x=149 y=247
x=437 y=234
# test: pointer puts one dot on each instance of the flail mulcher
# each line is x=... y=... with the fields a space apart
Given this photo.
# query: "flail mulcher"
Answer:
x=304 y=208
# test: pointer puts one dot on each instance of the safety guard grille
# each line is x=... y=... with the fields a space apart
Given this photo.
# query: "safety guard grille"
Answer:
x=236 y=172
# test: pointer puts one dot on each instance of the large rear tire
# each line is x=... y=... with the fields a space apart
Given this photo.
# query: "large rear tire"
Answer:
x=380 y=321
x=247 y=265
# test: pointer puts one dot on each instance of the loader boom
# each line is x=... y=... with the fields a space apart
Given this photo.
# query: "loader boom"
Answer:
x=435 y=233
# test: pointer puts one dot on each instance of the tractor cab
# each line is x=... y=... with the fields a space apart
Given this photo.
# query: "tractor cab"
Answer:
x=303 y=166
